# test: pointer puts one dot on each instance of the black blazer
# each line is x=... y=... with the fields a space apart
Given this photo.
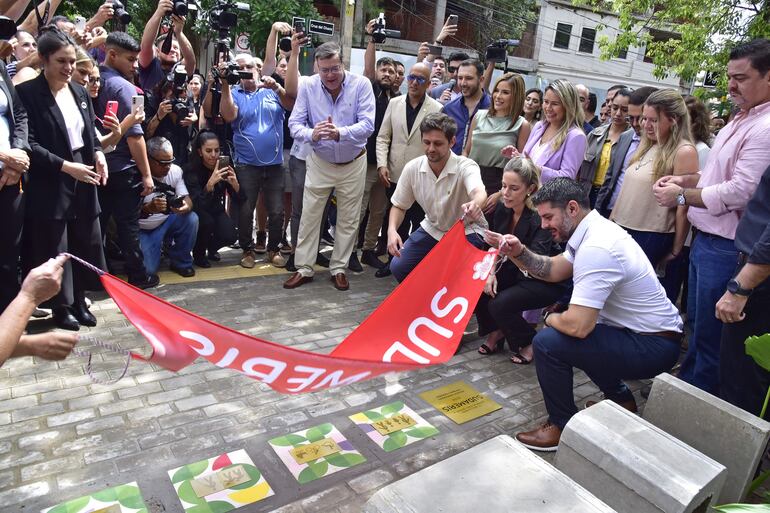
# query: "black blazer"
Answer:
x=16 y=115
x=50 y=191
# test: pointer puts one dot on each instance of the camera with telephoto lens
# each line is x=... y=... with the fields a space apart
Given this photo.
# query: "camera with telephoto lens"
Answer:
x=178 y=79
x=183 y=7
x=285 y=43
x=380 y=33
x=120 y=13
x=233 y=74
x=498 y=50
x=168 y=192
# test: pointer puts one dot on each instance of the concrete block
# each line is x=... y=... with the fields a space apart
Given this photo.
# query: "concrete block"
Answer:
x=634 y=466
x=726 y=433
x=501 y=475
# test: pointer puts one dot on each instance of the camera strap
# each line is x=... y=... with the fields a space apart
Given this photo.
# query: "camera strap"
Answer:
x=42 y=21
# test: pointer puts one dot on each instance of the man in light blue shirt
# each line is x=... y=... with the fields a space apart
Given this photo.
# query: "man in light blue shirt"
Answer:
x=255 y=111
x=334 y=114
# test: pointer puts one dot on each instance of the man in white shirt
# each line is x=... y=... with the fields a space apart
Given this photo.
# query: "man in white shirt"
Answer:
x=619 y=325
x=445 y=185
x=167 y=214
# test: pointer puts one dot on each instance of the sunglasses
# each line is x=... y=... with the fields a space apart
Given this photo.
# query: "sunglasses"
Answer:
x=451 y=69
x=416 y=78
x=163 y=162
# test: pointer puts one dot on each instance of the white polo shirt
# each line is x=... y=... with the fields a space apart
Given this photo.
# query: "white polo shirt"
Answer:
x=174 y=179
x=613 y=275
x=440 y=197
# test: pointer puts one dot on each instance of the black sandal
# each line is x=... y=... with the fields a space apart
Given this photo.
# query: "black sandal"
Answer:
x=486 y=351
x=521 y=359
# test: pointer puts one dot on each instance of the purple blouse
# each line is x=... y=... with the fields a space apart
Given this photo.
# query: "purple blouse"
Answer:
x=563 y=162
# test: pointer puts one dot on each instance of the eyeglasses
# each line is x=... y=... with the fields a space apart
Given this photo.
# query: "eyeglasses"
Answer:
x=328 y=71
x=94 y=80
x=164 y=163
x=416 y=78
x=451 y=69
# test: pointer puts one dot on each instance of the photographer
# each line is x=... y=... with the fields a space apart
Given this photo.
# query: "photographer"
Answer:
x=255 y=110
x=167 y=214
x=172 y=115
x=154 y=64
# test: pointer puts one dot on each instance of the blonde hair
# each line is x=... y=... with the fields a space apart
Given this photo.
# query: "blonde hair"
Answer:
x=573 y=111
x=669 y=103
x=517 y=96
x=528 y=172
x=82 y=56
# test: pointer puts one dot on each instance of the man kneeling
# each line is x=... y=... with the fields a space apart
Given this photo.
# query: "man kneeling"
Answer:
x=445 y=185
x=619 y=325
x=167 y=214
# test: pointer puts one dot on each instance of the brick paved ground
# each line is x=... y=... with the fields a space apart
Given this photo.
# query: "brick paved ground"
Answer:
x=62 y=436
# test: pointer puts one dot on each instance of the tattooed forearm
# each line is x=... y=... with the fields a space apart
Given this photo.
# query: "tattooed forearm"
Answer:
x=538 y=266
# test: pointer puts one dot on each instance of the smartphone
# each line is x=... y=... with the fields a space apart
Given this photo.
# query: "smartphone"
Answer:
x=80 y=23
x=452 y=20
x=435 y=50
x=137 y=103
x=224 y=161
x=299 y=26
x=112 y=108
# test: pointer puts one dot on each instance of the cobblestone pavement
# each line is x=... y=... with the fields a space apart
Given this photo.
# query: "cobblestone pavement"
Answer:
x=61 y=436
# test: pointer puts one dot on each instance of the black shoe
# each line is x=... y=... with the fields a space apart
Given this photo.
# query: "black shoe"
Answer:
x=322 y=260
x=83 y=315
x=381 y=248
x=184 y=272
x=148 y=282
x=202 y=262
x=385 y=271
x=369 y=258
x=214 y=256
x=327 y=239
x=63 y=318
x=353 y=263
x=290 y=264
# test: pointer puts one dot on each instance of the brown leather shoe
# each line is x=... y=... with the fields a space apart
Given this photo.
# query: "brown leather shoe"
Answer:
x=296 y=280
x=628 y=405
x=340 y=281
x=545 y=438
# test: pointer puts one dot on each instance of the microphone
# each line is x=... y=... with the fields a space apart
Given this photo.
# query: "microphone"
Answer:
x=452 y=84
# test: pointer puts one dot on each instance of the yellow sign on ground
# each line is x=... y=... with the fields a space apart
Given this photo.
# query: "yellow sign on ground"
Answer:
x=393 y=424
x=304 y=453
x=460 y=402
x=220 y=480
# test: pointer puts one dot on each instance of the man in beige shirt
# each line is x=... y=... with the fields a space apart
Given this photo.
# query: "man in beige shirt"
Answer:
x=446 y=186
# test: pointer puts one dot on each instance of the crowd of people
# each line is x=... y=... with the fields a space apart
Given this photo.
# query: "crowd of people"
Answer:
x=123 y=153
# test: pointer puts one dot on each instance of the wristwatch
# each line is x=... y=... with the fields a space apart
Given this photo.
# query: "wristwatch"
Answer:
x=680 y=199
x=734 y=287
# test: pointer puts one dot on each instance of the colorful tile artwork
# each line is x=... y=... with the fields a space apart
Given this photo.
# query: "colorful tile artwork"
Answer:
x=390 y=418
x=319 y=440
x=120 y=499
x=208 y=486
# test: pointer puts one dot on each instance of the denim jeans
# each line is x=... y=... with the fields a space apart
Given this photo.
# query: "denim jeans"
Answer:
x=253 y=179
x=657 y=246
x=712 y=263
x=180 y=232
x=416 y=247
x=608 y=355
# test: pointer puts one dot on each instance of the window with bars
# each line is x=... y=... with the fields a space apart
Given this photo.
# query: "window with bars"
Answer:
x=587 y=40
x=563 y=34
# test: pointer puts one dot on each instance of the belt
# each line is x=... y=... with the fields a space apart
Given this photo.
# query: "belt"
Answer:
x=672 y=335
x=696 y=232
x=348 y=162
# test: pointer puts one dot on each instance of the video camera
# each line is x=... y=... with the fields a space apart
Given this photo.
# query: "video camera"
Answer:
x=233 y=75
x=380 y=33
x=498 y=50
x=120 y=12
x=224 y=16
x=168 y=192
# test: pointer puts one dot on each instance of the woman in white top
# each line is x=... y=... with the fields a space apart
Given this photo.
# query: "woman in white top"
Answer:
x=666 y=148
x=66 y=166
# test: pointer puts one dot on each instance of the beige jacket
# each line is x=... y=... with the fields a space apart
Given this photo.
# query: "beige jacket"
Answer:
x=396 y=147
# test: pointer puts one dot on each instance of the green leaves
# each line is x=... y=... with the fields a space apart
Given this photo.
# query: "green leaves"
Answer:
x=190 y=471
x=290 y=440
x=744 y=508
x=318 y=432
x=314 y=470
x=759 y=349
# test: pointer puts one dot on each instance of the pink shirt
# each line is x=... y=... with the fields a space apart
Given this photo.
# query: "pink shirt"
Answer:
x=736 y=162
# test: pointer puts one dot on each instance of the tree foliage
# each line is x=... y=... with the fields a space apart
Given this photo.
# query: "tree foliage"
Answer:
x=703 y=31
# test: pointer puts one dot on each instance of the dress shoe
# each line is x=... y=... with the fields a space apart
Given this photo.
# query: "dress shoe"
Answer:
x=202 y=262
x=184 y=272
x=385 y=271
x=545 y=438
x=248 y=260
x=276 y=259
x=83 y=315
x=628 y=405
x=284 y=247
x=340 y=281
x=322 y=260
x=382 y=247
x=214 y=256
x=260 y=247
x=369 y=258
x=149 y=281
x=290 y=264
x=353 y=263
x=296 y=280
x=63 y=318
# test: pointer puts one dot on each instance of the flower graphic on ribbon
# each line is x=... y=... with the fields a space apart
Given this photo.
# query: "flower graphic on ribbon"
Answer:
x=481 y=269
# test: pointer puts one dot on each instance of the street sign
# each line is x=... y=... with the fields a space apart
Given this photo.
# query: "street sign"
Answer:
x=242 y=42
x=322 y=28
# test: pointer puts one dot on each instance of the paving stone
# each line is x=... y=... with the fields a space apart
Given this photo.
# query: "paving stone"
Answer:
x=216 y=410
x=370 y=481
x=195 y=402
x=78 y=444
x=18 y=403
x=191 y=446
x=137 y=390
x=37 y=411
x=18 y=459
x=70 y=417
x=36 y=388
x=179 y=419
x=39 y=440
x=5 y=447
x=326 y=499
x=85 y=477
x=67 y=393
x=170 y=396
x=100 y=424
x=120 y=406
x=150 y=412
x=162 y=437
x=22 y=493
x=110 y=451
x=7 y=479
x=48 y=467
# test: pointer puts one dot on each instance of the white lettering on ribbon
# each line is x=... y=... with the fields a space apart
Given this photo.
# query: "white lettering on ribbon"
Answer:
x=278 y=368
x=416 y=340
x=443 y=312
x=398 y=347
x=207 y=346
x=313 y=374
